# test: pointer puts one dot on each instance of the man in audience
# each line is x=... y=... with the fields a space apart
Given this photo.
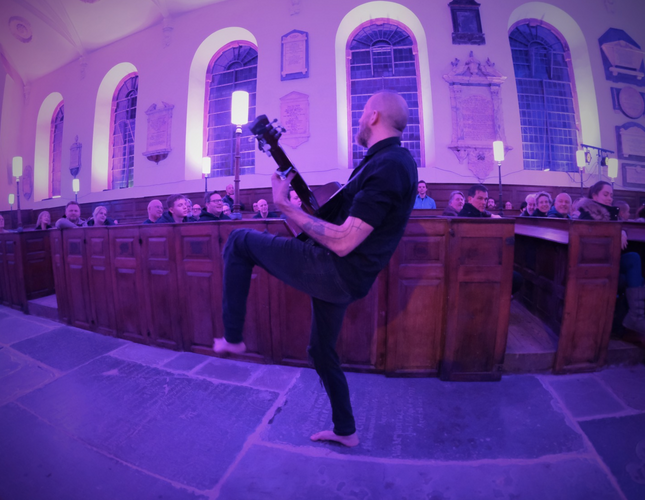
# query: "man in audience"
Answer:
x=255 y=207
x=543 y=204
x=294 y=199
x=189 y=211
x=197 y=211
x=229 y=199
x=226 y=210
x=531 y=204
x=264 y=211
x=72 y=217
x=177 y=210
x=476 y=205
x=423 y=200
x=155 y=210
x=561 y=207
x=455 y=204
x=213 y=208
x=490 y=204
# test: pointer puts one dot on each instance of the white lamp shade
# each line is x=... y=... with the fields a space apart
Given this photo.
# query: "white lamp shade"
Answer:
x=206 y=165
x=498 y=150
x=240 y=107
x=12 y=198
x=76 y=185
x=16 y=166
x=581 y=159
x=612 y=167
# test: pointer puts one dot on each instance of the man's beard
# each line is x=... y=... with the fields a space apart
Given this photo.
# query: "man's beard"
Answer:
x=363 y=137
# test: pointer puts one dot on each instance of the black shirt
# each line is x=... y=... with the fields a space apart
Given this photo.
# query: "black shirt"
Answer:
x=469 y=210
x=270 y=215
x=166 y=218
x=206 y=216
x=229 y=201
x=381 y=193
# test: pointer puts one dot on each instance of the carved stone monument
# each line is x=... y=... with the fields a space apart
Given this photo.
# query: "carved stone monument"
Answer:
x=159 y=126
x=294 y=117
x=477 y=118
x=630 y=138
x=75 y=157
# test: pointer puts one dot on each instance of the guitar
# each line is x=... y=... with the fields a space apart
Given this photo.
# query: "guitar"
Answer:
x=324 y=203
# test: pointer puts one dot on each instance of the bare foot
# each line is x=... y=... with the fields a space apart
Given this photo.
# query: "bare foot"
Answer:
x=351 y=440
x=222 y=346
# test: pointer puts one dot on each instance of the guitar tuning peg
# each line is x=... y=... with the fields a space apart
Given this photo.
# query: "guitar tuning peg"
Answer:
x=274 y=120
x=283 y=129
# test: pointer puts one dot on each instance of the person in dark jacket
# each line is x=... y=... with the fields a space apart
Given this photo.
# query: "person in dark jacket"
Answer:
x=455 y=204
x=177 y=210
x=213 y=208
x=155 y=211
x=100 y=218
x=44 y=221
x=561 y=207
x=476 y=205
x=598 y=206
x=530 y=206
x=543 y=204
x=264 y=211
x=229 y=199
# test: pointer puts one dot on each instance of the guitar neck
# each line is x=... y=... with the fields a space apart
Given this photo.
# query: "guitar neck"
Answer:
x=309 y=203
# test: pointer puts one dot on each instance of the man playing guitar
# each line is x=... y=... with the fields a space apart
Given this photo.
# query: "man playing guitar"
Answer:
x=351 y=248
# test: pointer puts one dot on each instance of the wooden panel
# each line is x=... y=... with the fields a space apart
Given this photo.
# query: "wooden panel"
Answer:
x=160 y=283
x=99 y=271
x=14 y=272
x=416 y=299
x=127 y=279
x=37 y=264
x=60 y=280
x=590 y=296
x=76 y=277
x=479 y=275
x=4 y=282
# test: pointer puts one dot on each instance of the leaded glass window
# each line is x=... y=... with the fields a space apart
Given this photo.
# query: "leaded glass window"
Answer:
x=125 y=113
x=548 y=114
x=56 y=151
x=383 y=57
x=235 y=68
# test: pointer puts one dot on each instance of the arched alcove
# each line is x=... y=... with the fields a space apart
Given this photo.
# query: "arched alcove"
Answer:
x=197 y=92
x=355 y=18
x=580 y=61
x=102 y=116
x=43 y=145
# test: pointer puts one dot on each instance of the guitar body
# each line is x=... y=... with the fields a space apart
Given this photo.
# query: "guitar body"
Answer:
x=321 y=204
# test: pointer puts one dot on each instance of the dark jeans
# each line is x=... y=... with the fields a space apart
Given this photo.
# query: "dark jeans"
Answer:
x=309 y=269
x=630 y=270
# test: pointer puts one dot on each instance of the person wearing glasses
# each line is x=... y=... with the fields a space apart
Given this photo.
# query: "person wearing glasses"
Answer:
x=213 y=208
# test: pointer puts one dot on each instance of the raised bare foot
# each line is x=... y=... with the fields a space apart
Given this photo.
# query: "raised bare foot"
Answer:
x=222 y=346
x=351 y=440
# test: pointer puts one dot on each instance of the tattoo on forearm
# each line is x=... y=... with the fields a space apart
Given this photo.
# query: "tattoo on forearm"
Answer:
x=317 y=227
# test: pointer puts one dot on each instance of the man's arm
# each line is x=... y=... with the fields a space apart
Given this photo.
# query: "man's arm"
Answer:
x=341 y=240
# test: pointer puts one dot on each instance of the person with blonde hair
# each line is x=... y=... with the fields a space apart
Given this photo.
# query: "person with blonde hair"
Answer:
x=44 y=221
x=100 y=218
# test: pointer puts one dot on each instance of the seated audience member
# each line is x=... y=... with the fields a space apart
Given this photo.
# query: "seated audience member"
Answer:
x=226 y=210
x=455 y=204
x=522 y=207
x=597 y=206
x=423 y=200
x=229 y=199
x=44 y=221
x=264 y=211
x=189 y=211
x=72 y=217
x=561 y=207
x=197 y=211
x=530 y=206
x=177 y=210
x=508 y=206
x=623 y=210
x=255 y=207
x=476 y=205
x=2 y=229
x=640 y=214
x=155 y=211
x=100 y=218
x=543 y=204
x=490 y=204
x=294 y=199
x=213 y=208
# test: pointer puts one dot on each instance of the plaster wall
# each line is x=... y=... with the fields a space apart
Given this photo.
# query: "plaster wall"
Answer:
x=164 y=76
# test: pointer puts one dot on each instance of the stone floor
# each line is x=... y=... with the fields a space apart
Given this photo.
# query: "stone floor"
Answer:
x=88 y=417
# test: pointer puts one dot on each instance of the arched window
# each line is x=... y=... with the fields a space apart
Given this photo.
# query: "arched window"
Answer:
x=383 y=56
x=56 y=150
x=545 y=88
x=234 y=68
x=124 y=109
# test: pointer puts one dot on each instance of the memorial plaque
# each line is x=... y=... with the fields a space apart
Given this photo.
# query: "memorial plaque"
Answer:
x=159 y=127
x=631 y=102
x=631 y=141
x=633 y=175
x=294 y=117
x=294 y=60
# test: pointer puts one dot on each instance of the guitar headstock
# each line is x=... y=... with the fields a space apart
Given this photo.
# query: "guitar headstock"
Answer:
x=266 y=132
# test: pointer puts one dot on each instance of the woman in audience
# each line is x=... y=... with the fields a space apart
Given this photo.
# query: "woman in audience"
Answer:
x=598 y=206
x=543 y=203
x=44 y=221
x=508 y=206
x=530 y=206
x=100 y=218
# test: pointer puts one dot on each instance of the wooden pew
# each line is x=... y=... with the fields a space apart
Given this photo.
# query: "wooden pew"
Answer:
x=570 y=271
x=25 y=268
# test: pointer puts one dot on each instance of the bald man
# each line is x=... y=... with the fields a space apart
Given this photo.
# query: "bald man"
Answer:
x=263 y=211
x=561 y=207
x=351 y=247
x=155 y=210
